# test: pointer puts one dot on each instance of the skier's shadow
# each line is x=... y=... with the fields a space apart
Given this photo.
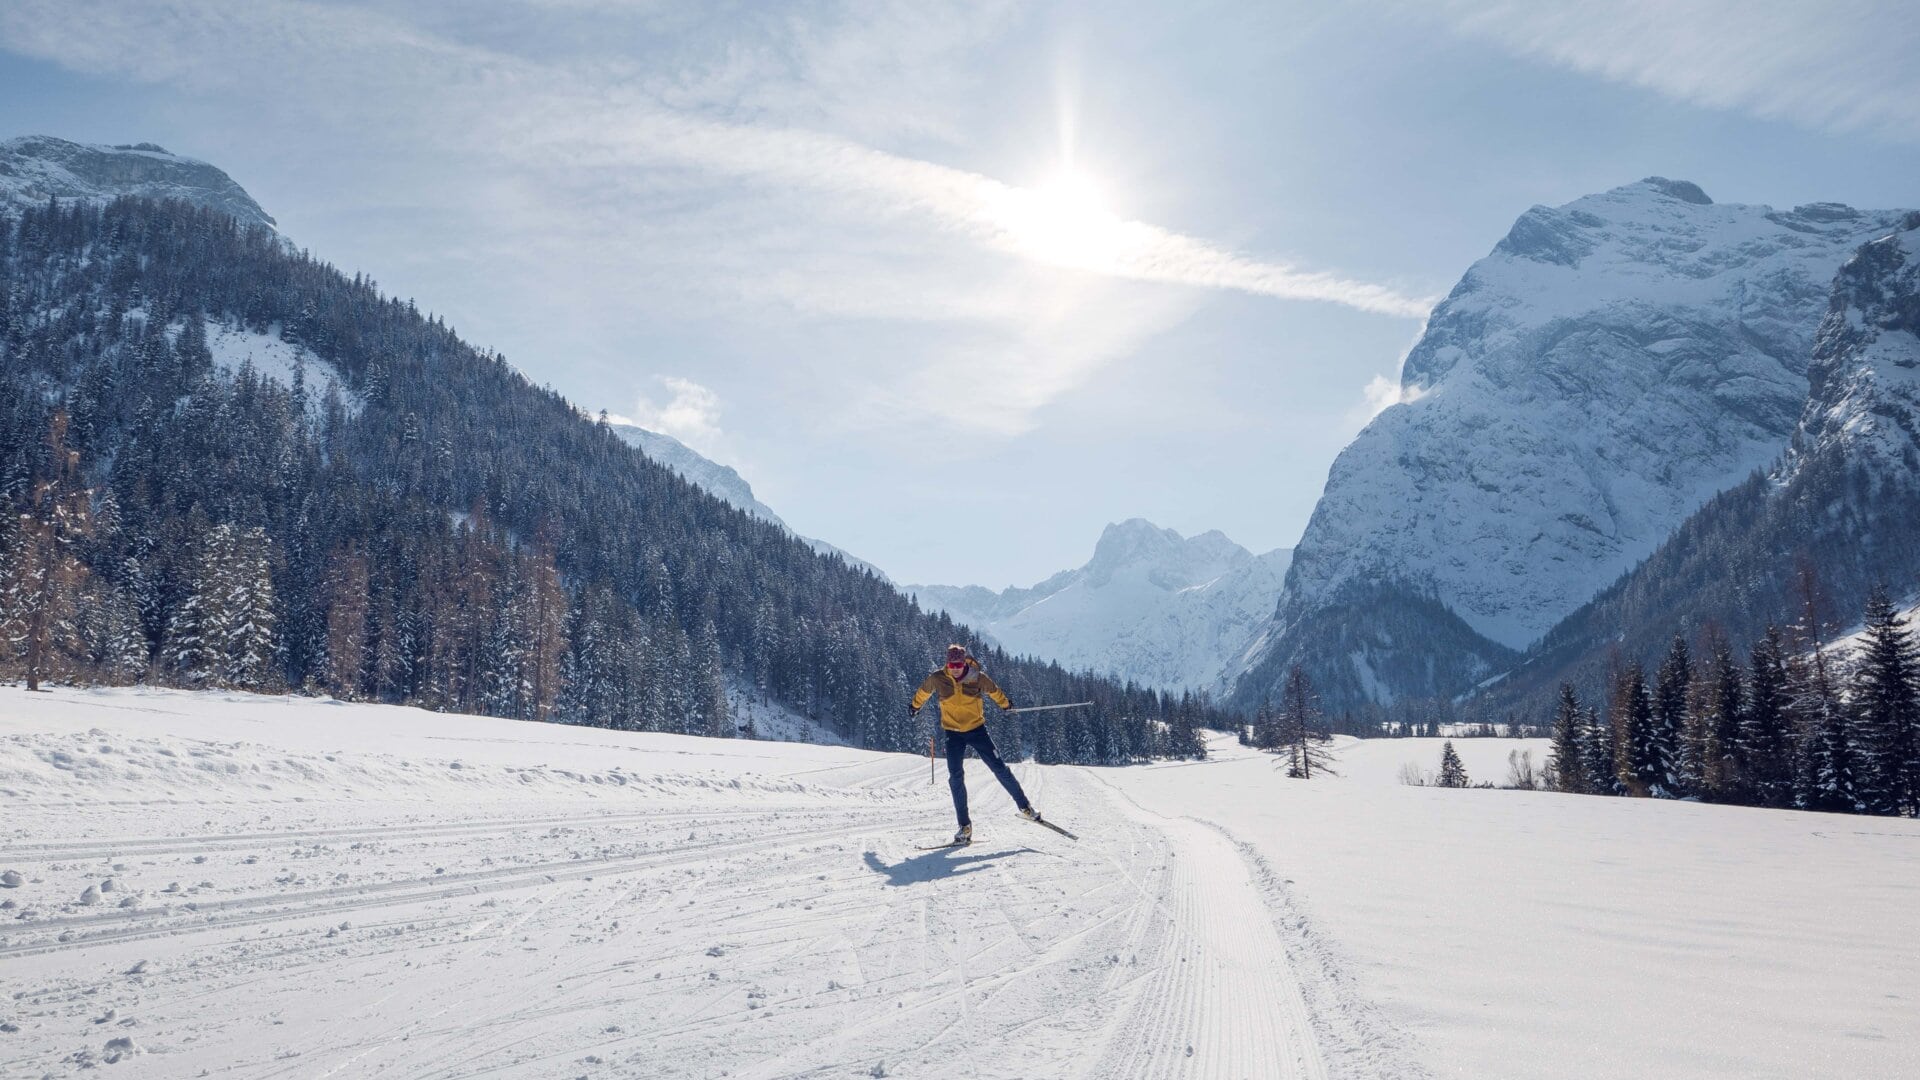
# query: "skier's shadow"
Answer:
x=934 y=865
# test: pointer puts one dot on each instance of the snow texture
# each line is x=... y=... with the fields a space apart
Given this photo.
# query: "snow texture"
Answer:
x=325 y=889
x=35 y=168
x=1610 y=366
x=1150 y=606
x=275 y=359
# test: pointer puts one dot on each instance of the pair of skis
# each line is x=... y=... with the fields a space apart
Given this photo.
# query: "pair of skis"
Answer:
x=1043 y=823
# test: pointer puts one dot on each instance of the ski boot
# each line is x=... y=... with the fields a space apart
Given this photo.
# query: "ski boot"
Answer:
x=964 y=836
x=1032 y=813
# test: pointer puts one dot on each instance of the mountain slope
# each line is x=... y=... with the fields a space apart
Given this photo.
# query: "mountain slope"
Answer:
x=1844 y=500
x=35 y=168
x=722 y=482
x=1612 y=364
x=431 y=529
x=1150 y=606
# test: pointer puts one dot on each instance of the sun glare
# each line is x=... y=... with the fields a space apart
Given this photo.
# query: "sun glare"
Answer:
x=1065 y=221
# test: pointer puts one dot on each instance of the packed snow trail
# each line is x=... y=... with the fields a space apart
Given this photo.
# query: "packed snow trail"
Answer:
x=245 y=887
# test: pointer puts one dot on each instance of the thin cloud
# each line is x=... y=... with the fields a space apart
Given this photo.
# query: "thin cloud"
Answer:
x=545 y=115
x=1842 y=65
x=691 y=414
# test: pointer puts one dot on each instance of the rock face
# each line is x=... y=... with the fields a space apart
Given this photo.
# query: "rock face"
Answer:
x=1613 y=364
x=1863 y=401
x=35 y=168
x=1842 y=501
x=1152 y=606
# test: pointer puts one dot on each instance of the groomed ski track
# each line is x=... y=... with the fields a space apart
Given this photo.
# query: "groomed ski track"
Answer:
x=635 y=932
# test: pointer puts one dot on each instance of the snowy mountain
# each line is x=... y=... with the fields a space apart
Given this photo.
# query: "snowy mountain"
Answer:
x=1611 y=365
x=720 y=481
x=35 y=168
x=1150 y=605
x=1843 y=500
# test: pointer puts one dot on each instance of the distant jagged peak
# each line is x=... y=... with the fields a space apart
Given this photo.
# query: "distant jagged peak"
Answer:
x=35 y=168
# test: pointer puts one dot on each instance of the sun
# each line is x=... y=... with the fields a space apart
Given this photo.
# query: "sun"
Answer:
x=1064 y=220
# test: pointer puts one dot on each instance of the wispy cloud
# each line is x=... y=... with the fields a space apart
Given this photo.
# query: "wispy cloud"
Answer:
x=745 y=177
x=1844 y=65
x=691 y=413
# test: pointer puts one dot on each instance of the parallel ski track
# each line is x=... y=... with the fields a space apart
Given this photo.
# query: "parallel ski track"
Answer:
x=188 y=845
x=1147 y=951
x=209 y=916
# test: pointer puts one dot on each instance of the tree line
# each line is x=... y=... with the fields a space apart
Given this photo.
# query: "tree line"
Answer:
x=1790 y=724
x=403 y=518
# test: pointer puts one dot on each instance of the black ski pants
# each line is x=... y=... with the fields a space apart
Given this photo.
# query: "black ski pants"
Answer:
x=982 y=743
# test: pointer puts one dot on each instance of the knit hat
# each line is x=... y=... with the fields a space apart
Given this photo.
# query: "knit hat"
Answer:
x=956 y=654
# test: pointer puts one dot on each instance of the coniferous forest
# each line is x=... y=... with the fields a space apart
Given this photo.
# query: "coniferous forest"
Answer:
x=1782 y=723
x=411 y=521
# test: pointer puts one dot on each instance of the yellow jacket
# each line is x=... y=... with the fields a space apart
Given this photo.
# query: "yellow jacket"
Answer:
x=961 y=707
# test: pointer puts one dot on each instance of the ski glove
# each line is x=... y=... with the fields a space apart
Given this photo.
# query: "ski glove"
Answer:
x=912 y=712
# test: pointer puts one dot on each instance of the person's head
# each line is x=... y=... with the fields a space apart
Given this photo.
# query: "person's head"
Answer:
x=956 y=659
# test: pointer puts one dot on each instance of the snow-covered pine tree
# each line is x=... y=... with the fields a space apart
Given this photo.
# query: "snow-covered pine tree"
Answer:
x=715 y=717
x=1453 y=772
x=1764 y=750
x=197 y=633
x=247 y=644
x=1721 y=777
x=1673 y=771
x=1568 y=765
x=1885 y=700
x=44 y=574
x=1639 y=757
x=505 y=687
x=1826 y=777
x=1598 y=749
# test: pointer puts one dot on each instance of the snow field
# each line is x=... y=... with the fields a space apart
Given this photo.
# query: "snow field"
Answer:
x=1532 y=934
x=320 y=889
x=258 y=887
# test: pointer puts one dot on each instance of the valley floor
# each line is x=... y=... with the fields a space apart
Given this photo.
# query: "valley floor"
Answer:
x=232 y=886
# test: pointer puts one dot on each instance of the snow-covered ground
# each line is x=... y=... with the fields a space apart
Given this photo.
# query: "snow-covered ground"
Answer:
x=256 y=887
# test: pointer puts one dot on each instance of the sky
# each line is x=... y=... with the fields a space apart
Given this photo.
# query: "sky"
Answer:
x=955 y=285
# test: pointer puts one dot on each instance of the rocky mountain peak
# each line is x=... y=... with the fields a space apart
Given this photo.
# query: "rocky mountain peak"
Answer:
x=35 y=168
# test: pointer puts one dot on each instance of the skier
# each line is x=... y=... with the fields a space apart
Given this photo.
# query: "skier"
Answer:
x=960 y=686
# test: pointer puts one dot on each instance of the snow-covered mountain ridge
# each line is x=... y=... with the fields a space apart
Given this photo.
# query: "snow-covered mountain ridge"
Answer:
x=1843 y=501
x=35 y=168
x=1150 y=605
x=722 y=482
x=1611 y=365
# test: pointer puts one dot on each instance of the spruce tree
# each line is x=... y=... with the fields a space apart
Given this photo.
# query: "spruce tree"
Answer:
x=1763 y=751
x=1885 y=700
x=1598 y=750
x=1673 y=686
x=1827 y=777
x=1640 y=748
x=1300 y=727
x=1453 y=773
x=247 y=645
x=1722 y=777
x=1569 y=763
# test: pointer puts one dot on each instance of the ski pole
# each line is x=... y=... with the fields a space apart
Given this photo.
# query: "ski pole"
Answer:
x=1044 y=708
